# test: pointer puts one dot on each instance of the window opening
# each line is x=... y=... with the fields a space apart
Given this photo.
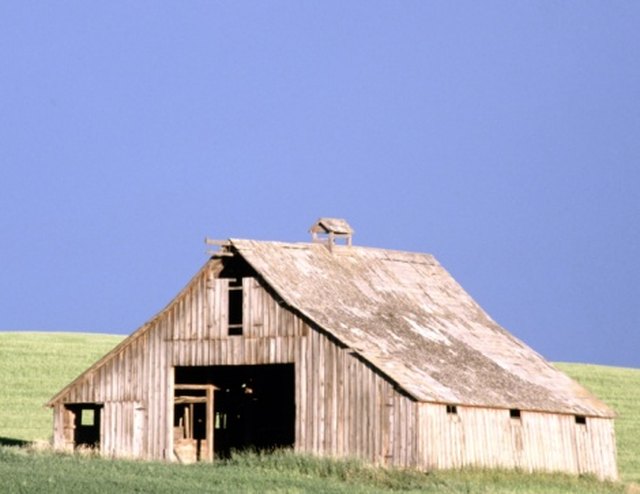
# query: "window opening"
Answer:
x=452 y=410
x=581 y=419
x=235 y=307
x=514 y=413
x=87 y=417
x=220 y=420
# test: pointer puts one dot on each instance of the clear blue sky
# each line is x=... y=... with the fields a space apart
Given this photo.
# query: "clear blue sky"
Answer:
x=503 y=137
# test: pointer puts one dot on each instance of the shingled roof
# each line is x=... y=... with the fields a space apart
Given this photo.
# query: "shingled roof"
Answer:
x=407 y=316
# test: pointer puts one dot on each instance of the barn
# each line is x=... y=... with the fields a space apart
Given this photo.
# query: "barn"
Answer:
x=333 y=349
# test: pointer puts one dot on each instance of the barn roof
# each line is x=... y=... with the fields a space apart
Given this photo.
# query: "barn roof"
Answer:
x=407 y=316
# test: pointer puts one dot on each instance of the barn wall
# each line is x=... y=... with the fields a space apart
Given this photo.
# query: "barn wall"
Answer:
x=199 y=328
x=135 y=376
x=481 y=437
x=62 y=428
x=123 y=426
x=345 y=408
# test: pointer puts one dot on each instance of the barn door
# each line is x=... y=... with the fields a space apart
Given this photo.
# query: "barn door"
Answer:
x=139 y=417
x=389 y=435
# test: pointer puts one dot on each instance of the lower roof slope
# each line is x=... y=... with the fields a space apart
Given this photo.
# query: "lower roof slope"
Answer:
x=406 y=315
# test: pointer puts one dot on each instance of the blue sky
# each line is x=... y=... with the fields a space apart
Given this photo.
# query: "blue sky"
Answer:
x=503 y=137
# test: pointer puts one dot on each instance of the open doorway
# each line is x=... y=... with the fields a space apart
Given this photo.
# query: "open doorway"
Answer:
x=254 y=405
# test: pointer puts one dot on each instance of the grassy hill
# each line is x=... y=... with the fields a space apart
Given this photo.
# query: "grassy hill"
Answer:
x=33 y=366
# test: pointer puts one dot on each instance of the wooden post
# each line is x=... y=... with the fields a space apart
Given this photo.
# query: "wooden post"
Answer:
x=209 y=452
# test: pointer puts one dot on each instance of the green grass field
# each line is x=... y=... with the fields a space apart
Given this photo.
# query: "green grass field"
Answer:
x=282 y=472
x=33 y=366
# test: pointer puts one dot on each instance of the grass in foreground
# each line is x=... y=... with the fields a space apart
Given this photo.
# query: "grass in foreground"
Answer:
x=22 y=470
x=620 y=389
x=34 y=366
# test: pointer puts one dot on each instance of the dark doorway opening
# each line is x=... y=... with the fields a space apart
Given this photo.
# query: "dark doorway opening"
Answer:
x=86 y=424
x=254 y=405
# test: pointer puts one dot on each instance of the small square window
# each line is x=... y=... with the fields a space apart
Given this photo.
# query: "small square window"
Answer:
x=514 y=413
x=581 y=419
x=452 y=410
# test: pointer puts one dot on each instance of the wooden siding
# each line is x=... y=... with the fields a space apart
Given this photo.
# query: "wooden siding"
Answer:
x=269 y=331
x=486 y=437
x=63 y=428
x=344 y=406
x=123 y=429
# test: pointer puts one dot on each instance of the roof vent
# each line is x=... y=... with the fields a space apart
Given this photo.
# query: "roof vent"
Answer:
x=331 y=230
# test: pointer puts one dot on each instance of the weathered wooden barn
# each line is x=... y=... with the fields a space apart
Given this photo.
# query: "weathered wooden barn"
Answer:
x=333 y=349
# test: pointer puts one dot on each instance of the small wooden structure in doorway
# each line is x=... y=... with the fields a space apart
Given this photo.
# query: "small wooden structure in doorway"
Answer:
x=333 y=349
x=193 y=434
